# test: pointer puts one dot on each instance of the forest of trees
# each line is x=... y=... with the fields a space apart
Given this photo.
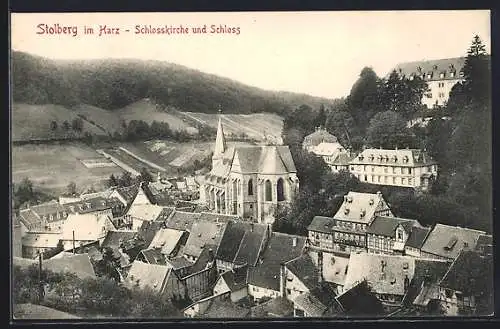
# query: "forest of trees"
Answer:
x=113 y=84
x=375 y=114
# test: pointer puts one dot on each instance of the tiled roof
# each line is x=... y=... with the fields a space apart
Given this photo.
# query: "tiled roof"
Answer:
x=280 y=249
x=334 y=267
x=41 y=240
x=154 y=256
x=143 y=274
x=85 y=227
x=359 y=207
x=436 y=66
x=343 y=159
x=360 y=300
x=386 y=226
x=428 y=272
x=214 y=217
x=484 y=240
x=115 y=237
x=276 y=307
x=241 y=242
x=319 y=136
x=78 y=264
x=384 y=273
x=417 y=237
x=166 y=240
x=179 y=262
x=47 y=208
x=182 y=221
x=304 y=269
x=225 y=309
x=88 y=205
x=203 y=233
x=321 y=224
x=328 y=149
x=236 y=279
x=470 y=273
x=145 y=212
x=318 y=300
x=29 y=218
x=398 y=158
x=448 y=241
x=128 y=193
x=148 y=230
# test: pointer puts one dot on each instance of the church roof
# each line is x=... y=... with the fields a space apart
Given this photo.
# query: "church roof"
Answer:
x=220 y=141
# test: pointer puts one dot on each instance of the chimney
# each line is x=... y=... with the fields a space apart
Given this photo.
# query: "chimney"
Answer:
x=211 y=254
x=294 y=242
x=251 y=227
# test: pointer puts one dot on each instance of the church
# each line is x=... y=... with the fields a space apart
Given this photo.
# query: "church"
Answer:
x=249 y=181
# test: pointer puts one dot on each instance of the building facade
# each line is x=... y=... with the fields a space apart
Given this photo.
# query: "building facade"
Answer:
x=405 y=168
x=440 y=75
x=249 y=181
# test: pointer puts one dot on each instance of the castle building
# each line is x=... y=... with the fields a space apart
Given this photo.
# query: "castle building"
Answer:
x=325 y=145
x=249 y=181
x=441 y=75
x=405 y=167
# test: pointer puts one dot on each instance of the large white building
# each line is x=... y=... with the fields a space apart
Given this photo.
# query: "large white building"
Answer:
x=249 y=181
x=441 y=75
x=405 y=167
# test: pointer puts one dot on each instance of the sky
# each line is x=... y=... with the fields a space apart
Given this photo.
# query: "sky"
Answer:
x=316 y=53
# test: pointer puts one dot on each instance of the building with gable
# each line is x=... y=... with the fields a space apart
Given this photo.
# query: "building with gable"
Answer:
x=440 y=75
x=405 y=167
x=389 y=235
x=249 y=181
x=320 y=135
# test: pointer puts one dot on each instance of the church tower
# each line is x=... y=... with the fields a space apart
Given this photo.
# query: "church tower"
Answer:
x=220 y=144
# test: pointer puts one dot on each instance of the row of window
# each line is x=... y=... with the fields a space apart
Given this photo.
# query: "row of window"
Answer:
x=387 y=180
x=395 y=170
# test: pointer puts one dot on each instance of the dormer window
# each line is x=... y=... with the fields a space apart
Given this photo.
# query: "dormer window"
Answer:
x=362 y=214
x=462 y=74
x=346 y=211
x=405 y=159
x=361 y=158
x=441 y=75
x=371 y=157
x=411 y=77
x=435 y=67
x=395 y=158
x=452 y=74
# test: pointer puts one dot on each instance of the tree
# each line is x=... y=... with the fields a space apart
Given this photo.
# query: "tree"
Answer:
x=53 y=125
x=321 y=116
x=112 y=181
x=71 y=189
x=388 y=130
x=363 y=98
x=77 y=124
x=25 y=192
x=126 y=179
x=109 y=264
x=476 y=71
x=341 y=124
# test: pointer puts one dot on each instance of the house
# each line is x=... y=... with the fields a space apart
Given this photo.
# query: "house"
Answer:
x=181 y=220
x=416 y=240
x=202 y=233
x=299 y=276
x=446 y=242
x=320 y=233
x=181 y=265
x=97 y=205
x=79 y=265
x=249 y=181
x=340 y=161
x=126 y=195
x=389 y=235
x=200 y=307
x=273 y=308
x=167 y=241
x=159 y=278
x=81 y=229
x=484 y=245
x=241 y=243
x=411 y=168
x=35 y=243
x=152 y=256
x=332 y=266
x=139 y=213
x=355 y=215
x=264 y=278
x=360 y=301
x=45 y=216
x=225 y=309
x=320 y=135
x=467 y=287
x=318 y=302
x=389 y=276
x=116 y=238
x=199 y=284
x=234 y=282
x=218 y=218
x=440 y=75
x=424 y=286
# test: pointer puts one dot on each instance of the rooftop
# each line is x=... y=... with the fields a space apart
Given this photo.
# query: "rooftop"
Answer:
x=448 y=241
x=386 y=226
x=321 y=224
x=281 y=248
x=114 y=238
x=150 y=275
x=166 y=240
x=396 y=157
x=203 y=233
x=182 y=221
x=438 y=66
x=41 y=240
x=320 y=135
x=305 y=270
x=360 y=207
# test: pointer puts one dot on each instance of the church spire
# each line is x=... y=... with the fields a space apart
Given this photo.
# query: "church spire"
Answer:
x=220 y=141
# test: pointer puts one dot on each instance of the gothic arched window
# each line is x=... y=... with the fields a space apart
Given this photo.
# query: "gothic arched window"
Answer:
x=280 y=189
x=269 y=191
x=250 y=187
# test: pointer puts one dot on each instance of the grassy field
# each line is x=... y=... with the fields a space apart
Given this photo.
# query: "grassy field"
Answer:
x=52 y=167
x=254 y=125
x=33 y=122
x=39 y=312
